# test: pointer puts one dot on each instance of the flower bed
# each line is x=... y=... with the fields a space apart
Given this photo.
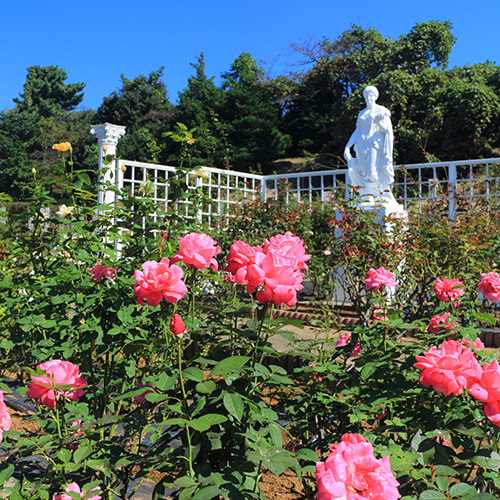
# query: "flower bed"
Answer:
x=149 y=362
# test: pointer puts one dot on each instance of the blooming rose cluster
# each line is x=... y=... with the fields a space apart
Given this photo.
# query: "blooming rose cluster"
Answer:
x=163 y=280
x=351 y=472
x=273 y=270
x=441 y=322
x=58 y=373
x=377 y=278
x=454 y=368
x=159 y=280
x=448 y=290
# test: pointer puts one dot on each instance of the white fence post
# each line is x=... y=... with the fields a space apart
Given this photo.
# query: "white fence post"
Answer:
x=452 y=191
x=107 y=135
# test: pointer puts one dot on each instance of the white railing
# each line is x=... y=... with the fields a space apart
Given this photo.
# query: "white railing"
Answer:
x=453 y=186
x=223 y=188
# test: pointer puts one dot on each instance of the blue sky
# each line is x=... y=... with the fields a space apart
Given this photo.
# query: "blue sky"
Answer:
x=95 y=41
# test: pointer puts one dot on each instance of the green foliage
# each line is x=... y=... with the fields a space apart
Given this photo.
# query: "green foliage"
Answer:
x=40 y=119
x=47 y=94
x=199 y=106
x=252 y=121
x=142 y=105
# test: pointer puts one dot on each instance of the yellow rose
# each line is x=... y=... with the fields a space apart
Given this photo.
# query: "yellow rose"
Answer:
x=63 y=146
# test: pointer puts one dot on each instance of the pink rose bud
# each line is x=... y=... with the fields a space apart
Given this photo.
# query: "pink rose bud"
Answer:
x=177 y=326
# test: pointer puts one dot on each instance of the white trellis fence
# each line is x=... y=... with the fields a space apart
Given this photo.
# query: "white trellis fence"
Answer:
x=456 y=186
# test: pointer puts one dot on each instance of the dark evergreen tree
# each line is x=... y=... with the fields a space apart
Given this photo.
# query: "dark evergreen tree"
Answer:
x=46 y=93
x=252 y=121
x=44 y=115
x=198 y=108
x=141 y=105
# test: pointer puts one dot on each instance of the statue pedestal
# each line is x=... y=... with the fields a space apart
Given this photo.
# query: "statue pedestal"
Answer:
x=389 y=215
x=385 y=208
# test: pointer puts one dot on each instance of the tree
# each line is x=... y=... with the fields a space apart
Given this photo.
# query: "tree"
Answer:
x=142 y=105
x=319 y=118
x=44 y=115
x=252 y=121
x=199 y=107
x=46 y=93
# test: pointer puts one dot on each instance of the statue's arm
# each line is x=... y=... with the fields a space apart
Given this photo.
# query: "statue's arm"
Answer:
x=350 y=143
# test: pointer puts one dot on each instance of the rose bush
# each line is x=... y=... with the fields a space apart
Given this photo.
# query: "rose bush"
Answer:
x=211 y=419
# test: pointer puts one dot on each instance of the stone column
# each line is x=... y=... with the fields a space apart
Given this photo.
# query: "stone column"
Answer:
x=107 y=135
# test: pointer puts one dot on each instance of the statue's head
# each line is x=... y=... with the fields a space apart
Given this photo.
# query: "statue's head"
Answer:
x=370 y=89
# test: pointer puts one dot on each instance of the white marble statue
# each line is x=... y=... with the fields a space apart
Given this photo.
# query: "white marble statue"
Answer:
x=372 y=170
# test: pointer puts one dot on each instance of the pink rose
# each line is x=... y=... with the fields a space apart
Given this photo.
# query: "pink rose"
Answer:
x=73 y=487
x=140 y=398
x=489 y=286
x=197 y=250
x=241 y=255
x=99 y=271
x=440 y=322
x=291 y=245
x=351 y=472
x=159 y=280
x=79 y=427
x=442 y=440
x=379 y=277
x=343 y=339
x=487 y=390
x=356 y=350
x=5 y=420
x=45 y=387
x=276 y=272
x=379 y=314
x=448 y=291
x=477 y=344
x=450 y=369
